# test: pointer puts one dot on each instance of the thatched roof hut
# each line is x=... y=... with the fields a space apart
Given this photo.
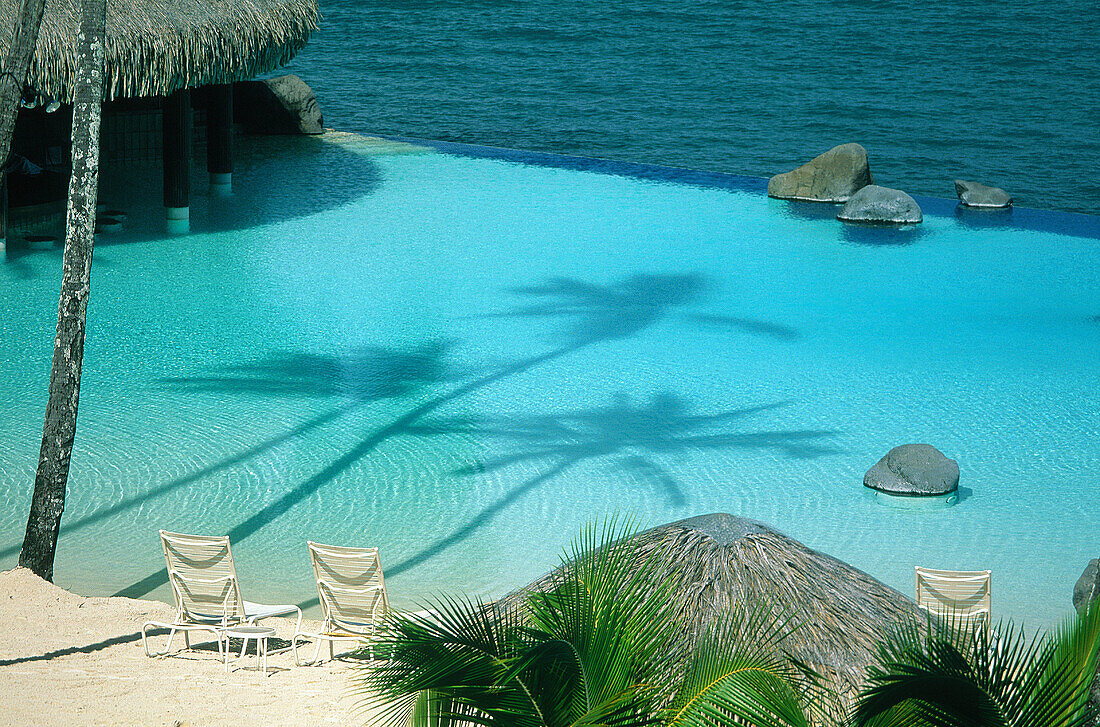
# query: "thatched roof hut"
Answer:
x=716 y=561
x=155 y=47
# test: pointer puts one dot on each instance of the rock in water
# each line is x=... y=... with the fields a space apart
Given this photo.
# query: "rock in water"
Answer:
x=1087 y=588
x=881 y=205
x=973 y=194
x=1085 y=592
x=914 y=469
x=831 y=177
x=283 y=105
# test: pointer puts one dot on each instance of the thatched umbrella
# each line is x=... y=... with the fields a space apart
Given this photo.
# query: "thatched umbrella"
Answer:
x=717 y=561
x=155 y=47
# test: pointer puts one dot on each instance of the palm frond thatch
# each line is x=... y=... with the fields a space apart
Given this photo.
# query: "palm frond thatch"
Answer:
x=155 y=47
x=716 y=562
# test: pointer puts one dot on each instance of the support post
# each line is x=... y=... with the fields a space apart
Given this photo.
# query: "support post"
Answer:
x=219 y=138
x=3 y=211
x=176 y=148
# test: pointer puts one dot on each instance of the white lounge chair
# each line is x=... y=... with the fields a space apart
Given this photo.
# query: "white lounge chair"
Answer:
x=352 y=591
x=206 y=591
x=963 y=596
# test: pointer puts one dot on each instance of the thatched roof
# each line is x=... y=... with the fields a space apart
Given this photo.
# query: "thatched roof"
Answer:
x=716 y=561
x=155 y=47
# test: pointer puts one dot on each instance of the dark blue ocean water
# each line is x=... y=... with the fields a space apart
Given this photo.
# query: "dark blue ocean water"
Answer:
x=1005 y=93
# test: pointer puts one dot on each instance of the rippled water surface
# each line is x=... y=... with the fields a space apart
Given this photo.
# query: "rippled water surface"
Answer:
x=462 y=357
x=1008 y=94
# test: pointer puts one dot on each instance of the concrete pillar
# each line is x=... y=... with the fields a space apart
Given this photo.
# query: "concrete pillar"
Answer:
x=176 y=147
x=219 y=138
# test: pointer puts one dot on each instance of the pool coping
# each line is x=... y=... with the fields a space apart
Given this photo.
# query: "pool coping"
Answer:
x=1074 y=224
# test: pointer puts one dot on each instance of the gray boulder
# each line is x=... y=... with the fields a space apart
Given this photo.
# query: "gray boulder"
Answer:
x=282 y=105
x=881 y=205
x=1087 y=588
x=831 y=177
x=914 y=469
x=1085 y=592
x=973 y=194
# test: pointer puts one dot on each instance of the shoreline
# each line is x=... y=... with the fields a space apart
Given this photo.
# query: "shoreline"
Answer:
x=68 y=659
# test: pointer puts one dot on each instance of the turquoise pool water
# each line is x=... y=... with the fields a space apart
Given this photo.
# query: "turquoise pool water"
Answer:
x=461 y=355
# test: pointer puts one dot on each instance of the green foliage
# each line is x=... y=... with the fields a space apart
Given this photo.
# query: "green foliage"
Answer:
x=603 y=648
x=959 y=676
x=737 y=669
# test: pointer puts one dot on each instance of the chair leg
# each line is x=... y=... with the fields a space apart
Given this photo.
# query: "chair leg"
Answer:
x=187 y=640
x=331 y=646
x=171 y=635
x=145 y=639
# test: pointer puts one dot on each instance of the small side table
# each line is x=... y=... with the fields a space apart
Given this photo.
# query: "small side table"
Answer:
x=260 y=633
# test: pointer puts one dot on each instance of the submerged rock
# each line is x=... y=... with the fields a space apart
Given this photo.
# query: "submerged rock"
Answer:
x=831 y=177
x=881 y=205
x=973 y=194
x=914 y=469
x=282 y=105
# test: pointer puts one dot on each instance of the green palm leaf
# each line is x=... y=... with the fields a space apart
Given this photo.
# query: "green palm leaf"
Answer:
x=955 y=676
x=602 y=648
x=615 y=622
x=738 y=672
x=459 y=654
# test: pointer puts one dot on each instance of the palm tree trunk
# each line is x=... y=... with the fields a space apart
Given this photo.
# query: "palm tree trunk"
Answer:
x=48 y=501
x=17 y=64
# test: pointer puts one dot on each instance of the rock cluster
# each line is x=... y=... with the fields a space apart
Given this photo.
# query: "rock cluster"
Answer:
x=914 y=470
x=882 y=205
x=831 y=177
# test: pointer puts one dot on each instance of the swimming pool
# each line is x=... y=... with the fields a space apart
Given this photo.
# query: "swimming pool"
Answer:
x=460 y=355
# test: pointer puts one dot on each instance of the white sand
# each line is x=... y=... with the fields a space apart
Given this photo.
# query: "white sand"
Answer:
x=66 y=659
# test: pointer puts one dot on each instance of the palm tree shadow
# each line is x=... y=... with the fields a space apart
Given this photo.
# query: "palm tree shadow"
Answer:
x=360 y=378
x=370 y=373
x=607 y=312
x=592 y=313
x=645 y=470
x=625 y=308
x=747 y=325
x=623 y=433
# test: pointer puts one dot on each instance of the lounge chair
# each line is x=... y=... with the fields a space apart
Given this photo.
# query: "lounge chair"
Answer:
x=964 y=596
x=206 y=591
x=352 y=591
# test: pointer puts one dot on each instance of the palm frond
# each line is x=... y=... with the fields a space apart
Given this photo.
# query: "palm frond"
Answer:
x=955 y=675
x=738 y=672
x=458 y=656
x=615 y=624
x=1058 y=685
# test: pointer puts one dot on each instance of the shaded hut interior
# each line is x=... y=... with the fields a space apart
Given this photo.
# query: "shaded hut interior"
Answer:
x=170 y=73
